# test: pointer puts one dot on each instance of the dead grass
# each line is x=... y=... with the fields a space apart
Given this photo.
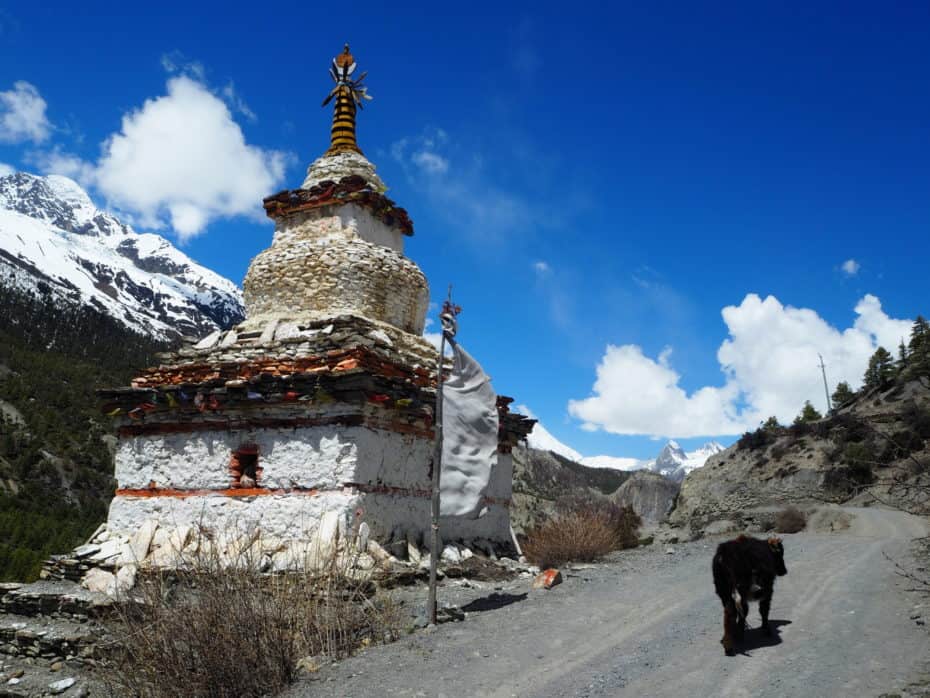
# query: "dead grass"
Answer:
x=790 y=520
x=582 y=531
x=208 y=629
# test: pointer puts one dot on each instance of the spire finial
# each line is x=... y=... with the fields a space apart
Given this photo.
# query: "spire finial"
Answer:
x=348 y=92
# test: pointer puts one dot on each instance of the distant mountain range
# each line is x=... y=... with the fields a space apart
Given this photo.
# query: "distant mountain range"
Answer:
x=55 y=242
x=673 y=461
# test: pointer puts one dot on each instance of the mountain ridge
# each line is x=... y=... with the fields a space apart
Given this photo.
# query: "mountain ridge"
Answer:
x=55 y=241
x=672 y=461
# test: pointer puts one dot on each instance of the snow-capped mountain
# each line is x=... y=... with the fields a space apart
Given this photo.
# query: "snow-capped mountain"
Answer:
x=672 y=462
x=54 y=240
x=675 y=463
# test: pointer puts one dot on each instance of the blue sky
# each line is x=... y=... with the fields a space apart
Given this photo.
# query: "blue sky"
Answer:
x=612 y=177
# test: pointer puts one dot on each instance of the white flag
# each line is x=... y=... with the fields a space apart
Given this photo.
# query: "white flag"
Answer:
x=469 y=436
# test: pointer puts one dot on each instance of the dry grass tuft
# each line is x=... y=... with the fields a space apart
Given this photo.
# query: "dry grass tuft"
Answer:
x=790 y=520
x=582 y=531
x=211 y=629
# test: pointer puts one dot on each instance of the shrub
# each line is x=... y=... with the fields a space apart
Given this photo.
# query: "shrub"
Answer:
x=790 y=520
x=582 y=531
x=751 y=440
x=217 y=630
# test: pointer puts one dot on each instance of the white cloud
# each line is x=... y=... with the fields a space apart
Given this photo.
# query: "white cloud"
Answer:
x=236 y=102
x=634 y=394
x=850 y=267
x=6 y=169
x=541 y=267
x=770 y=366
x=182 y=159
x=22 y=115
x=430 y=162
x=57 y=161
x=458 y=188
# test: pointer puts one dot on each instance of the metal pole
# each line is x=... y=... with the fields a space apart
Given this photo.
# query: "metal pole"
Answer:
x=826 y=390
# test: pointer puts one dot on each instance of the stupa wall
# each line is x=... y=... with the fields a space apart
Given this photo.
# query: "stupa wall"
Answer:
x=321 y=457
x=183 y=479
x=337 y=260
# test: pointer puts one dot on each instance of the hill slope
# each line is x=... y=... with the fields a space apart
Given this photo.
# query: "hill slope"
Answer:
x=875 y=445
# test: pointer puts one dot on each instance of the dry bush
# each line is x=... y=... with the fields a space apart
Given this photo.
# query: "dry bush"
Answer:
x=208 y=629
x=790 y=520
x=582 y=531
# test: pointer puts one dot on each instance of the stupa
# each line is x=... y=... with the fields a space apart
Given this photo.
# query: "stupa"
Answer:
x=320 y=404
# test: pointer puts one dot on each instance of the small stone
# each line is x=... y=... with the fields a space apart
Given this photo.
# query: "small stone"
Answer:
x=670 y=551
x=61 y=686
x=547 y=579
x=57 y=666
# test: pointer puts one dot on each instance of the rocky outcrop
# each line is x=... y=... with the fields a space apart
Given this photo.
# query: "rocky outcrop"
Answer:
x=651 y=495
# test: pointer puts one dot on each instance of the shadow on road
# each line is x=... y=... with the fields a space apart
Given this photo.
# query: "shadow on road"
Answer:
x=492 y=602
x=757 y=639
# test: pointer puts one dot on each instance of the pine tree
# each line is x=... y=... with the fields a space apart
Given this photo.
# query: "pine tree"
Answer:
x=771 y=424
x=880 y=369
x=918 y=359
x=842 y=394
x=809 y=413
x=920 y=336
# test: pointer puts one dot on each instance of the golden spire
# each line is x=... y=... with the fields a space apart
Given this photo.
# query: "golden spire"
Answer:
x=348 y=93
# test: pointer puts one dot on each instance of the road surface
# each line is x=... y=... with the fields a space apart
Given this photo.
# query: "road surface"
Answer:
x=647 y=623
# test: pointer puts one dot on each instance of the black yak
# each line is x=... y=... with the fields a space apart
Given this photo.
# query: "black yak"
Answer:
x=744 y=570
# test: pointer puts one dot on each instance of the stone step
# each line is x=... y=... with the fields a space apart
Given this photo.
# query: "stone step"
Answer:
x=54 y=598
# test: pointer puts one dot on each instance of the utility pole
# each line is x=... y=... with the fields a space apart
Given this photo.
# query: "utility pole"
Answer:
x=826 y=390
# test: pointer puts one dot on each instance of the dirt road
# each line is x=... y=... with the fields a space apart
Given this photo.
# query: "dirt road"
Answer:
x=648 y=624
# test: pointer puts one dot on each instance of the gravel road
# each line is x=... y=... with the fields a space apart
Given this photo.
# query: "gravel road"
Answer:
x=647 y=623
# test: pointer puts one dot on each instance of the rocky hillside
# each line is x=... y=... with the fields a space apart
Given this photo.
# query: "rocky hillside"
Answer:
x=541 y=478
x=54 y=241
x=877 y=444
x=650 y=494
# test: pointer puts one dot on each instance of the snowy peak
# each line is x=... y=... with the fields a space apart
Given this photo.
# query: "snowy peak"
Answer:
x=673 y=461
x=54 y=240
x=58 y=201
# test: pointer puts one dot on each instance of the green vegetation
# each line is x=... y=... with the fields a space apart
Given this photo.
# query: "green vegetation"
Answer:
x=842 y=394
x=55 y=462
x=808 y=414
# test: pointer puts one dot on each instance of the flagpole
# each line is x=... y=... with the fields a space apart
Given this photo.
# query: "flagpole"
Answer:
x=437 y=465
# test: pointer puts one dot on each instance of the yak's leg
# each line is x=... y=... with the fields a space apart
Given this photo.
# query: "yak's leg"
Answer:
x=729 y=613
x=742 y=605
x=764 y=604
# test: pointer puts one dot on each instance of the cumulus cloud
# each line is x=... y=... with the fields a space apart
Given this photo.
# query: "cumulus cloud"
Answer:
x=182 y=160
x=22 y=115
x=6 y=169
x=57 y=161
x=850 y=267
x=769 y=361
x=634 y=394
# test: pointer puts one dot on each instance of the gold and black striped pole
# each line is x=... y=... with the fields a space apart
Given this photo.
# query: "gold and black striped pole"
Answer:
x=342 y=135
x=348 y=92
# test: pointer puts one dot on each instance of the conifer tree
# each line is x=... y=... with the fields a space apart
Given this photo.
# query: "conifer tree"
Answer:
x=842 y=394
x=771 y=424
x=919 y=347
x=880 y=369
x=809 y=413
